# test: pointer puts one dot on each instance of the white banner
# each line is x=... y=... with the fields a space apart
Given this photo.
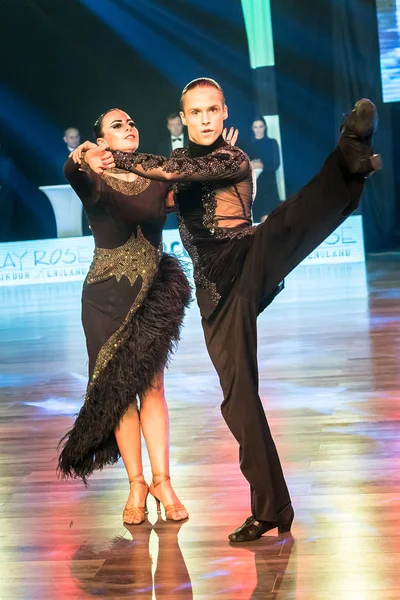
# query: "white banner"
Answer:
x=45 y=261
x=68 y=259
x=345 y=245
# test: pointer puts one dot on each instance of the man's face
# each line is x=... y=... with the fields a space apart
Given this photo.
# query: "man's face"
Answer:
x=175 y=126
x=72 y=138
x=204 y=113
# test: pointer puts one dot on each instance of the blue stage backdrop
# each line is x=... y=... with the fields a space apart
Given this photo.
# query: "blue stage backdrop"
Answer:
x=69 y=61
x=389 y=42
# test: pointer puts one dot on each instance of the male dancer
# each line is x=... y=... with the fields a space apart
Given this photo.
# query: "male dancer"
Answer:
x=239 y=268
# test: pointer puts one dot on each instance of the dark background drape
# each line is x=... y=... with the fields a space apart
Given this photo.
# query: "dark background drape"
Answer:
x=66 y=62
x=70 y=61
x=327 y=57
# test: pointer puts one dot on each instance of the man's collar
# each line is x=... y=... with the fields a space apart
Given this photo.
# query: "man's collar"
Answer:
x=196 y=150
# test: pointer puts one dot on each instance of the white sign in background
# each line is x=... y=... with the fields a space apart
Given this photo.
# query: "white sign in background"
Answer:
x=68 y=259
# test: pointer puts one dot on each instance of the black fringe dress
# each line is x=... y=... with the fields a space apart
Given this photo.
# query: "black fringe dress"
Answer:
x=133 y=303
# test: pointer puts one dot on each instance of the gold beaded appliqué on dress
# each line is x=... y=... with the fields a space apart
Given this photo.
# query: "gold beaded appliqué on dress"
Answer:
x=130 y=188
x=136 y=258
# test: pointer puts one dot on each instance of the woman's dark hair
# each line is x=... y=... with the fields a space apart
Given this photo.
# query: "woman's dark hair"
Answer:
x=260 y=118
x=98 y=126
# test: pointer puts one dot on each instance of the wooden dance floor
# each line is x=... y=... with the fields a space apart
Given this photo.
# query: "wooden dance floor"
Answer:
x=329 y=380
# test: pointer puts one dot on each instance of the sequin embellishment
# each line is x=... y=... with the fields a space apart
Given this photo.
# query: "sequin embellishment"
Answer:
x=136 y=258
x=198 y=275
x=130 y=188
x=225 y=159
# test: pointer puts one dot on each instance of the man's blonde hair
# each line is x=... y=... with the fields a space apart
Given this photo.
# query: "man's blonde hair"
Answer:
x=201 y=82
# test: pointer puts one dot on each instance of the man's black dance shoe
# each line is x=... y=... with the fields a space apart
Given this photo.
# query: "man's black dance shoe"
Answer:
x=355 y=142
x=252 y=529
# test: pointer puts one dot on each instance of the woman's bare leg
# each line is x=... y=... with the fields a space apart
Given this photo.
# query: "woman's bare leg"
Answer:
x=154 y=421
x=128 y=438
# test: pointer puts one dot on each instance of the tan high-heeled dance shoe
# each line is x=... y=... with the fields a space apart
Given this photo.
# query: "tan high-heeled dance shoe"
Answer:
x=137 y=514
x=170 y=509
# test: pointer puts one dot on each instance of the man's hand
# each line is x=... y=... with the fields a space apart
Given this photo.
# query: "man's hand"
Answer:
x=99 y=160
x=169 y=201
x=76 y=154
x=257 y=164
x=231 y=136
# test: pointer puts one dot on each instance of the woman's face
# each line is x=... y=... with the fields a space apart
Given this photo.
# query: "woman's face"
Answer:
x=119 y=132
x=258 y=129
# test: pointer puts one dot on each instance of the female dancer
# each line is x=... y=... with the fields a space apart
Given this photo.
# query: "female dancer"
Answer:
x=133 y=303
x=264 y=153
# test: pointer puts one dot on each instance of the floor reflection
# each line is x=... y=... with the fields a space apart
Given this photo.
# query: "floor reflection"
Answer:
x=153 y=566
x=171 y=577
x=271 y=567
x=129 y=564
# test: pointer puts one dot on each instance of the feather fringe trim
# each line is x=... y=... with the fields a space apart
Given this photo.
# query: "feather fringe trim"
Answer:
x=153 y=333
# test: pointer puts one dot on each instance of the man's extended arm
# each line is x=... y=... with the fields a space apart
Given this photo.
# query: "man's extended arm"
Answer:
x=225 y=163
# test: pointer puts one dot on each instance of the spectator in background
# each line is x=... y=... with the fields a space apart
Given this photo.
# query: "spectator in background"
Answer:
x=72 y=138
x=177 y=138
x=265 y=158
